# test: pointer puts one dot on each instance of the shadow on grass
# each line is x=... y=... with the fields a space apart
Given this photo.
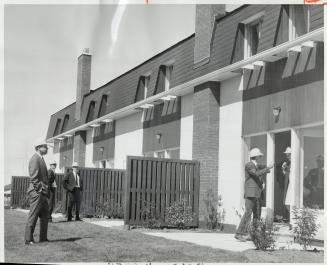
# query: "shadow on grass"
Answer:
x=70 y=239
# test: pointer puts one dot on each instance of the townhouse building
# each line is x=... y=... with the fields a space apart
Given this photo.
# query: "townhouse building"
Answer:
x=249 y=78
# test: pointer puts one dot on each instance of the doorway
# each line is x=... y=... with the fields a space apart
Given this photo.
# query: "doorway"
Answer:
x=282 y=141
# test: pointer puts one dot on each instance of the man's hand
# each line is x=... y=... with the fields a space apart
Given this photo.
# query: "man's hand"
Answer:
x=270 y=166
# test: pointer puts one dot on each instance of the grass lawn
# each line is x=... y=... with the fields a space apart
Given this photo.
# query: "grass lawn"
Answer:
x=83 y=242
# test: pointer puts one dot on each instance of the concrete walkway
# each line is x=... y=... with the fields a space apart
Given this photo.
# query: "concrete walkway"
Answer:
x=214 y=240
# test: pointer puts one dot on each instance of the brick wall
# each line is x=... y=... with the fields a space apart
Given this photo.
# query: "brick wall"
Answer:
x=204 y=25
x=206 y=137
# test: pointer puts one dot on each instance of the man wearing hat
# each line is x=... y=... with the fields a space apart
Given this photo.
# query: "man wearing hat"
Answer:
x=253 y=188
x=286 y=169
x=38 y=193
x=52 y=187
x=74 y=185
x=314 y=183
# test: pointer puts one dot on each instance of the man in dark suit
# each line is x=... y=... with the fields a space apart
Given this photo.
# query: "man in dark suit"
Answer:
x=38 y=193
x=253 y=188
x=52 y=187
x=74 y=185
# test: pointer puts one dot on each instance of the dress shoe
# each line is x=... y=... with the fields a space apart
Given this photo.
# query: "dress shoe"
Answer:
x=240 y=238
x=29 y=242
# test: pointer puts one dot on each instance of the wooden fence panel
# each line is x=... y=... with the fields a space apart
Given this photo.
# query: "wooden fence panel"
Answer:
x=154 y=184
x=100 y=187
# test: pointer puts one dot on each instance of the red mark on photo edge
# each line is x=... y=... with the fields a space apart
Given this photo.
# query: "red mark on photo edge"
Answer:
x=315 y=1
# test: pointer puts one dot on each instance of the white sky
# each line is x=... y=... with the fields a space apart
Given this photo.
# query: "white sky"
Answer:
x=42 y=43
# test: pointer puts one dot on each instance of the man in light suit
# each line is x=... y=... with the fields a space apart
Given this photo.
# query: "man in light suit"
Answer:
x=52 y=188
x=253 y=188
x=74 y=186
x=38 y=193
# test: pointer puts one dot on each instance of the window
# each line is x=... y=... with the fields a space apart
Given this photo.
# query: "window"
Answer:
x=164 y=77
x=56 y=131
x=299 y=20
x=103 y=106
x=90 y=113
x=252 y=37
x=173 y=153
x=313 y=167
x=160 y=154
x=65 y=123
x=142 y=88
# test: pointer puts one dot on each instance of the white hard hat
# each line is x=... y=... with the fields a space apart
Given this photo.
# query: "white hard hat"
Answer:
x=53 y=163
x=288 y=150
x=255 y=152
x=40 y=142
x=75 y=164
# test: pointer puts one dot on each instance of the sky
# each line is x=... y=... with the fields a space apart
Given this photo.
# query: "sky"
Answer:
x=41 y=46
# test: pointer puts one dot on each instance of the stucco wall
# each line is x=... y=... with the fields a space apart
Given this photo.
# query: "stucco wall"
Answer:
x=230 y=178
x=186 y=131
x=128 y=139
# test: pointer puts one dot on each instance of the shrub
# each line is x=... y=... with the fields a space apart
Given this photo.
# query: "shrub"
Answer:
x=262 y=235
x=214 y=214
x=150 y=218
x=179 y=215
x=105 y=209
x=305 y=226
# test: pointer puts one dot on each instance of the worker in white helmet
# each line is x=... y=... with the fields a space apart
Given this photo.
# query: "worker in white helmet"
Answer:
x=286 y=169
x=253 y=188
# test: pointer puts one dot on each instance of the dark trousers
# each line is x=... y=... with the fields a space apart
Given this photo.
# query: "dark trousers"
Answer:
x=52 y=201
x=39 y=208
x=252 y=205
x=74 y=199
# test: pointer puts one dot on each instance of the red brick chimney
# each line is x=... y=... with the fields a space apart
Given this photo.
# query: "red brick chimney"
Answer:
x=83 y=80
x=204 y=24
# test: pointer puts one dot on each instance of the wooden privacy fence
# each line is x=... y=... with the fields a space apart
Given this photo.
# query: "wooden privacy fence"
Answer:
x=103 y=191
x=19 y=185
x=157 y=183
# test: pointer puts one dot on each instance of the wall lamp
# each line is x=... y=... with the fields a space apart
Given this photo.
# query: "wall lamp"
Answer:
x=158 y=137
x=101 y=149
x=276 y=113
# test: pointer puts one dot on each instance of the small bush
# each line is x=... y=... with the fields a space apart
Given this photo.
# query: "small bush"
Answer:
x=214 y=214
x=105 y=209
x=179 y=215
x=262 y=235
x=150 y=218
x=305 y=226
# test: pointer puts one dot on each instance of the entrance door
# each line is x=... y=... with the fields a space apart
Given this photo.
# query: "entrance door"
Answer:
x=282 y=141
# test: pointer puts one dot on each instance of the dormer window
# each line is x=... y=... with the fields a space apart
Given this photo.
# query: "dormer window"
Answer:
x=103 y=106
x=142 y=88
x=90 y=113
x=57 y=128
x=299 y=20
x=252 y=37
x=164 y=78
x=65 y=123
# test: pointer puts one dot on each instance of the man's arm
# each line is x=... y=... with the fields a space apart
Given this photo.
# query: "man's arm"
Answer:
x=34 y=170
x=256 y=174
x=51 y=176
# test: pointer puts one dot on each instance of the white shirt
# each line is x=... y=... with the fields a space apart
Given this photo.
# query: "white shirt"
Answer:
x=76 y=179
x=255 y=163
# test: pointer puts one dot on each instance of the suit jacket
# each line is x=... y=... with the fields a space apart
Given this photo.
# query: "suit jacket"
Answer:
x=52 y=178
x=38 y=173
x=253 y=179
x=69 y=182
